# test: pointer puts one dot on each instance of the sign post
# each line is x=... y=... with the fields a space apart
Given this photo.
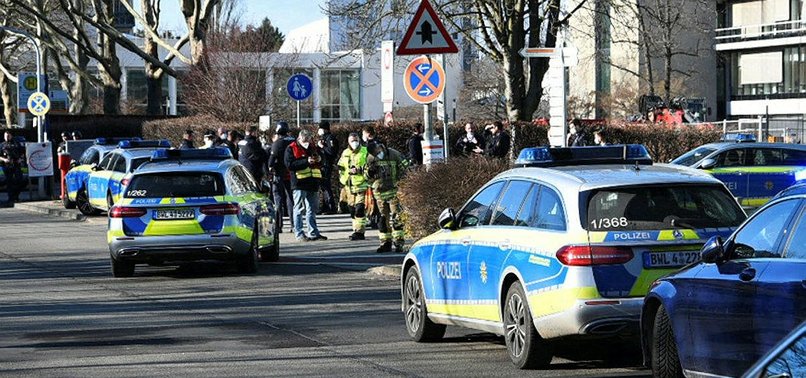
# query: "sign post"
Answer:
x=424 y=79
x=299 y=88
x=387 y=75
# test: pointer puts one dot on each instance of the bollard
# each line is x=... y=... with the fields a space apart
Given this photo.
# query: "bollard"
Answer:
x=64 y=167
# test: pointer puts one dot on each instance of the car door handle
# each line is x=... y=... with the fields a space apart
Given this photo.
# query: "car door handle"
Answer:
x=747 y=275
x=465 y=242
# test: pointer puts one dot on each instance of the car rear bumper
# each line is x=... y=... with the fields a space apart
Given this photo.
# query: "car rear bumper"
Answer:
x=144 y=249
x=594 y=317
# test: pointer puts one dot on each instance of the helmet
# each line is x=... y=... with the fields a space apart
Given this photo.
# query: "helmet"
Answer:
x=282 y=128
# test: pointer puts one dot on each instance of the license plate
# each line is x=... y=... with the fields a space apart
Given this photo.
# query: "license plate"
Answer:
x=175 y=214
x=670 y=259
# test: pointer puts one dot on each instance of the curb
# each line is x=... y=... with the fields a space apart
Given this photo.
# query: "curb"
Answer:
x=386 y=270
x=61 y=213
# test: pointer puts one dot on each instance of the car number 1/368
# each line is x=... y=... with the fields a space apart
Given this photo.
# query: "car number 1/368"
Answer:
x=609 y=223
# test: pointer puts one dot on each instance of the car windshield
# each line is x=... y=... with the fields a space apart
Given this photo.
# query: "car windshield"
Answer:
x=693 y=156
x=175 y=184
x=662 y=207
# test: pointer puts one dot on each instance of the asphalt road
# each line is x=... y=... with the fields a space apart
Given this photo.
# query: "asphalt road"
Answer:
x=316 y=313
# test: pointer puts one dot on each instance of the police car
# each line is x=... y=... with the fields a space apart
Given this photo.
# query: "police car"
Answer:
x=567 y=245
x=754 y=172
x=188 y=205
x=76 y=180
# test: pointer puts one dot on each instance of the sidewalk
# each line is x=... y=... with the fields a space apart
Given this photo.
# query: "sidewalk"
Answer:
x=53 y=208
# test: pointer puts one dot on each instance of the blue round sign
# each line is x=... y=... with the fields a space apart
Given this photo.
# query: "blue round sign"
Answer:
x=299 y=87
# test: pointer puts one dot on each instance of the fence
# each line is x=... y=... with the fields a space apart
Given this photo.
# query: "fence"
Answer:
x=785 y=130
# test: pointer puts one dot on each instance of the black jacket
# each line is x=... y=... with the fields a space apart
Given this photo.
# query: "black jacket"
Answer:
x=413 y=144
x=297 y=164
x=277 y=157
x=466 y=145
x=186 y=145
x=252 y=156
x=498 y=146
x=330 y=151
x=233 y=148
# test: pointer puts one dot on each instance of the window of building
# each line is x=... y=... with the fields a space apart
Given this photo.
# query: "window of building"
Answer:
x=750 y=64
x=783 y=74
x=340 y=95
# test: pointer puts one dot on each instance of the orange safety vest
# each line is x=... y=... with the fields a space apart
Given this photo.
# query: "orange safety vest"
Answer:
x=312 y=170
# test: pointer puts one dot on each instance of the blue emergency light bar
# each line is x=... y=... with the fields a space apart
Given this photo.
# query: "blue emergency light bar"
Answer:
x=561 y=156
x=217 y=153
x=739 y=137
x=113 y=141
x=164 y=143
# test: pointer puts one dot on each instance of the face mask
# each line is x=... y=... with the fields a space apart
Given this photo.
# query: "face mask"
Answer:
x=303 y=144
x=321 y=132
x=380 y=155
x=354 y=145
x=364 y=138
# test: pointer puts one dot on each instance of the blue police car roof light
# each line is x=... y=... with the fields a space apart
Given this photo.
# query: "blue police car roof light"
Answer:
x=561 y=156
x=164 y=143
x=217 y=153
x=112 y=141
x=739 y=137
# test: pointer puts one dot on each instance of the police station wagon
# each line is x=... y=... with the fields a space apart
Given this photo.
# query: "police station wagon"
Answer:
x=566 y=246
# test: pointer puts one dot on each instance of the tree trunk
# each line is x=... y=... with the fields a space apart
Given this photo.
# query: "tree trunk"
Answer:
x=514 y=76
x=153 y=74
x=8 y=102
x=667 y=44
x=646 y=43
x=110 y=75
x=79 y=93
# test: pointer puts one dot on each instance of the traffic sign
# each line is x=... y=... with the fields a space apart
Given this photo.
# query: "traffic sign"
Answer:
x=424 y=80
x=38 y=104
x=387 y=75
x=426 y=34
x=299 y=86
x=570 y=55
x=388 y=119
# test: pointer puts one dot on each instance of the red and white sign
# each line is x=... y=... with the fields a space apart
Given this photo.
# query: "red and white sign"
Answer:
x=426 y=34
x=40 y=159
x=387 y=75
x=388 y=119
x=424 y=80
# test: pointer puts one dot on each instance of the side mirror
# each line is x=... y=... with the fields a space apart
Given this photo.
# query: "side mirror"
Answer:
x=94 y=167
x=447 y=219
x=708 y=163
x=712 y=251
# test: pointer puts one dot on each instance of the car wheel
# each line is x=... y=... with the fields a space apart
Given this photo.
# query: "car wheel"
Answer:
x=525 y=347
x=122 y=268
x=665 y=361
x=248 y=263
x=83 y=203
x=419 y=327
x=67 y=203
x=273 y=253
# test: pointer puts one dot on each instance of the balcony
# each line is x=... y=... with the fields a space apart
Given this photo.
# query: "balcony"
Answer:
x=762 y=32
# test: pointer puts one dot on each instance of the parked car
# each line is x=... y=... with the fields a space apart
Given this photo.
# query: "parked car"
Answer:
x=786 y=360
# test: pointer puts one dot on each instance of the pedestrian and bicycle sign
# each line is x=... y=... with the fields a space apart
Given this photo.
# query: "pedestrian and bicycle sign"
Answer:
x=299 y=87
x=424 y=80
x=38 y=104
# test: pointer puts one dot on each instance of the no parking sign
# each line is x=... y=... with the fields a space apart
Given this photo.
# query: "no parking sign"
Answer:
x=424 y=80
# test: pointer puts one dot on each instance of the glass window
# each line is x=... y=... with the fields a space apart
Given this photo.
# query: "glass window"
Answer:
x=655 y=208
x=234 y=183
x=246 y=179
x=175 y=184
x=136 y=163
x=104 y=164
x=765 y=156
x=794 y=157
x=790 y=363
x=340 y=94
x=693 y=156
x=759 y=237
x=119 y=165
x=732 y=158
x=796 y=249
x=550 y=214
x=89 y=157
x=507 y=208
x=477 y=211
x=526 y=217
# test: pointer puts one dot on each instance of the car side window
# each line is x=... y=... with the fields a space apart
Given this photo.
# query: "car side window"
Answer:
x=732 y=158
x=510 y=203
x=550 y=214
x=790 y=363
x=759 y=237
x=89 y=156
x=234 y=183
x=793 y=157
x=765 y=157
x=796 y=247
x=246 y=179
x=477 y=212
x=119 y=165
x=527 y=215
x=105 y=161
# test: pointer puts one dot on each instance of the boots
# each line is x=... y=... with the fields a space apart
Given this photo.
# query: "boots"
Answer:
x=385 y=247
x=400 y=247
x=356 y=236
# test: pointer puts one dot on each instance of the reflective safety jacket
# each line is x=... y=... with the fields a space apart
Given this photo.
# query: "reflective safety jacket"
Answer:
x=384 y=174
x=304 y=176
x=358 y=159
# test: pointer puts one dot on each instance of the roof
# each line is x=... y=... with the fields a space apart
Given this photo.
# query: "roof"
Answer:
x=587 y=177
x=723 y=145
x=186 y=166
x=135 y=152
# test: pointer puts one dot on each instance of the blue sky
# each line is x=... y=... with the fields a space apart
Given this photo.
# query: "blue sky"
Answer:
x=285 y=14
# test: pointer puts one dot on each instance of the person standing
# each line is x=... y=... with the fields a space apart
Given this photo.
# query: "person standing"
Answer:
x=368 y=136
x=281 y=184
x=415 y=145
x=329 y=148
x=63 y=144
x=600 y=138
x=470 y=143
x=187 y=140
x=384 y=168
x=498 y=146
x=12 y=158
x=304 y=164
x=233 y=138
x=352 y=164
x=575 y=137
x=252 y=155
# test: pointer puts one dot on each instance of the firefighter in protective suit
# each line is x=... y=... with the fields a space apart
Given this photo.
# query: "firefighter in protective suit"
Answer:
x=384 y=169
x=352 y=164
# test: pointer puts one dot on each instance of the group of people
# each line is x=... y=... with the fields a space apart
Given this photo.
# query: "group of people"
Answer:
x=578 y=138
x=494 y=142
x=229 y=139
x=12 y=160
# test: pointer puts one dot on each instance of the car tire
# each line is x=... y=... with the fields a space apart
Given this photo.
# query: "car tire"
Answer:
x=122 y=268
x=665 y=360
x=83 y=203
x=248 y=263
x=419 y=327
x=525 y=347
x=67 y=203
x=272 y=254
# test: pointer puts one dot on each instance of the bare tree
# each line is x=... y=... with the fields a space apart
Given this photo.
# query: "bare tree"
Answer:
x=483 y=93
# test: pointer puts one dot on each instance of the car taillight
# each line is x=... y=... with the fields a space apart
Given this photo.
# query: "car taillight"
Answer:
x=585 y=255
x=126 y=212
x=222 y=209
x=125 y=182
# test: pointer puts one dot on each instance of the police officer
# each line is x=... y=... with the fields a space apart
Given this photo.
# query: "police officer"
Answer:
x=187 y=140
x=329 y=148
x=12 y=157
x=281 y=188
x=252 y=155
x=384 y=168
x=352 y=164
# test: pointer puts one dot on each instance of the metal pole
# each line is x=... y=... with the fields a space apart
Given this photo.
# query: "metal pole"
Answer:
x=428 y=133
x=298 y=122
